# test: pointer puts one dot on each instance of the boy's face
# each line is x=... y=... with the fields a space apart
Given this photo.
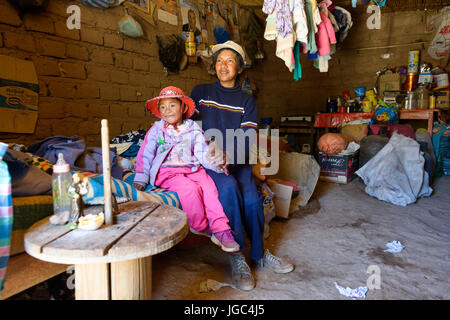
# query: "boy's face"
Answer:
x=227 y=68
x=170 y=110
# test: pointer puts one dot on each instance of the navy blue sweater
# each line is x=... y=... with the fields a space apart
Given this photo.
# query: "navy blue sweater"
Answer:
x=223 y=108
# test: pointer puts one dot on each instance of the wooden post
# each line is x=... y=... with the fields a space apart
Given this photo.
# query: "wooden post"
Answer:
x=132 y=279
x=106 y=173
x=92 y=281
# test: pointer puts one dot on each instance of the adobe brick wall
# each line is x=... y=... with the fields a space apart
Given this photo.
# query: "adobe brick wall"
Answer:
x=96 y=72
x=89 y=74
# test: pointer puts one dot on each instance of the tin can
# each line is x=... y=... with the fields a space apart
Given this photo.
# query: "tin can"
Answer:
x=411 y=81
x=413 y=62
x=342 y=109
x=190 y=48
x=442 y=80
x=432 y=101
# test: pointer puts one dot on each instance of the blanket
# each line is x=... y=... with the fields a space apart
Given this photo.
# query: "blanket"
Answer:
x=6 y=214
x=124 y=189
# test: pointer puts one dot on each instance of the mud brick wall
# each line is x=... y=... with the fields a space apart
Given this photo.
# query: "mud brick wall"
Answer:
x=94 y=73
x=90 y=74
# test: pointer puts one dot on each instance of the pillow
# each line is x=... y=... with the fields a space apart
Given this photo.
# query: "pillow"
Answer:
x=30 y=180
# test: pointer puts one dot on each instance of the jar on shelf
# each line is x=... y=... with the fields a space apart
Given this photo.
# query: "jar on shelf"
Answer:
x=422 y=97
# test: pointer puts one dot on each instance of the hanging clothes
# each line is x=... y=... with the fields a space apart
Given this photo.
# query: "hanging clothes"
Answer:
x=311 y=44
x=284 y=50
x=325 y=35
x=333 y=22
x=349 y=23
x=299 y=19
x=297 y=66
x=344 y=20
x=270 y=33
x=321 y=63
x=283 y=15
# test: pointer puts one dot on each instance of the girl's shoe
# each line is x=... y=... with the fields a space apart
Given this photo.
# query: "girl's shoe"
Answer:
x=226 y=241
x=207 y=232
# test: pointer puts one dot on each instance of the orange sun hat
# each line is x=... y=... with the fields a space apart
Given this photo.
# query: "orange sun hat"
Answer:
x=171 y=92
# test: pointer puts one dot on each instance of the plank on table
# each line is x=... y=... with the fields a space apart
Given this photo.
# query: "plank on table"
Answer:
x=159 y=231
x=41 y=234
x=96 y=243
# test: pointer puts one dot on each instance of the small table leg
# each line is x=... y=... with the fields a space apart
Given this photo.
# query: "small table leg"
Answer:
x=132 y=279
x=92 y=281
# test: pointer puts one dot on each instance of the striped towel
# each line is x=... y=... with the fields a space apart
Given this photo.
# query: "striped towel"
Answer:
x=6 y=214
x=124 y=188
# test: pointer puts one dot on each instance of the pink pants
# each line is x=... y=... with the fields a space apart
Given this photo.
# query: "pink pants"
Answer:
x=198 y=196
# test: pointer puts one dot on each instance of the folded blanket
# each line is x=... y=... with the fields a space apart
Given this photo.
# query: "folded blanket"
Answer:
x=125 y=189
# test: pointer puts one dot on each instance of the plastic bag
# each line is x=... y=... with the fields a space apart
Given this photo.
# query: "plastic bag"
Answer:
x=370 y=146
x=441 y=144
x=396 y=173
x=385 y=113
x=130 y=27
x=171 y=51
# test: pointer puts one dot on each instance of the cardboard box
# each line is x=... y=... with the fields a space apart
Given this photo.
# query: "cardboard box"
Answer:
x=282 y=198
x=19 y=93
x=388 y=82
x=338 y=168
x=443 y=100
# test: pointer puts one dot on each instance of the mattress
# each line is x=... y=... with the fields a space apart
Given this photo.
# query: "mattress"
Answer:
x=27 y=211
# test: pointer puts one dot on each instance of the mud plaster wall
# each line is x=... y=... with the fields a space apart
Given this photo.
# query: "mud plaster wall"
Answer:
x=89 y=74
x=94 y=73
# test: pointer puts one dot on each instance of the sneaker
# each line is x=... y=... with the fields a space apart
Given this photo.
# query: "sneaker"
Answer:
x=207 y=232
x=274 y=263
x=225 y=240
x=241 y=276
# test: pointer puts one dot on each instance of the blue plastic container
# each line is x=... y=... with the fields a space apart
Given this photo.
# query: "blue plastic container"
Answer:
x=360 y=92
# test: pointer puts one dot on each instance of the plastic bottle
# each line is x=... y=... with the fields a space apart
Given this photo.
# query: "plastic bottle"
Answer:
x=422 y=97
x=367 y=105
x=61 y=180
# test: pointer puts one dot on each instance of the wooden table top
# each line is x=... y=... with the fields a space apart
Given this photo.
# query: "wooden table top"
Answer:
x=140 y=229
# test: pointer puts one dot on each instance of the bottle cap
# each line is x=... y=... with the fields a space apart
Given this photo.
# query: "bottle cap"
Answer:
x=61 y=166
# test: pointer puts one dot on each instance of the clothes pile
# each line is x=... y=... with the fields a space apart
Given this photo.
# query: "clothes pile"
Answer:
x=305 y=26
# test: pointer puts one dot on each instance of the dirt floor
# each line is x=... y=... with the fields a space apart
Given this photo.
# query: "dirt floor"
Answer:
x=339 y=236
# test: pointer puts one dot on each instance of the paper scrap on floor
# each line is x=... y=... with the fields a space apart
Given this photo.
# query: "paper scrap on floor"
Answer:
x=394 y=247
x=358 y=293
x=213 y=285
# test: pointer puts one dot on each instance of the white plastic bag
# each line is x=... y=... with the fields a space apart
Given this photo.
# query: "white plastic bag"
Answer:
x=396 y=173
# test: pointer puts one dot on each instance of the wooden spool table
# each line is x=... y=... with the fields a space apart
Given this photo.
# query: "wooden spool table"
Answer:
x=113 y=262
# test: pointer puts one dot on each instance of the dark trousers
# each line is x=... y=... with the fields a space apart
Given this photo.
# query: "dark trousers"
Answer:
x=243 y=206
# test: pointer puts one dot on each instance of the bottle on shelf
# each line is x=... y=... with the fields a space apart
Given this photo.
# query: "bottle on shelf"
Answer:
x=422 y=97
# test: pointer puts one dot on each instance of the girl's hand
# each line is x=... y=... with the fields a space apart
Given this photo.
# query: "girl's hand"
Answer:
x=224 y=168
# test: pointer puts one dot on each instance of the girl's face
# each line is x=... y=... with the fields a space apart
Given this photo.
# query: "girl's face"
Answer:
x=170 y=110
x=227 y=68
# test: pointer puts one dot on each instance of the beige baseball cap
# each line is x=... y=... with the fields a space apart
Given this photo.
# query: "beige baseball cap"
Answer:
x=230 y=45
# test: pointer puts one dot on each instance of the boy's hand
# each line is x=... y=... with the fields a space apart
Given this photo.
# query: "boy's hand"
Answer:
x=139 y=186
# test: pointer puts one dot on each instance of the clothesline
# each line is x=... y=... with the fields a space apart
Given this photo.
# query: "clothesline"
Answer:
x=305 y=26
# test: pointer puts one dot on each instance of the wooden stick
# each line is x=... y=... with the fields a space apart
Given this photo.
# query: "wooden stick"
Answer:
x=106 y=173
